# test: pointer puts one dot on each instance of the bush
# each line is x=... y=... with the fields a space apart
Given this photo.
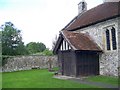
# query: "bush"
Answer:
x=47 y=52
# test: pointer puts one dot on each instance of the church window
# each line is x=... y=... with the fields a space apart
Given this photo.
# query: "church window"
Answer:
x=111 y=43
x=108 y=39
x=113 y=33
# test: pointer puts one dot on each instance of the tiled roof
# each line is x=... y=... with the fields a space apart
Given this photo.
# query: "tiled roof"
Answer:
x=80 y=41
x=97 y=14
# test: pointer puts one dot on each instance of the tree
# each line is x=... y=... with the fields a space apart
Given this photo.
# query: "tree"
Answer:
x=22 y=50
x=47 y=52
x=11 y=40
x=0 y=48
x=34 y=47
x=54 y=42
x=0 y=43
x=41 y=46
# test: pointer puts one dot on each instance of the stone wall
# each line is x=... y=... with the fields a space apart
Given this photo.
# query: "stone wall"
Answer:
x=118 y=46
x=29 y=62
x=108 y=59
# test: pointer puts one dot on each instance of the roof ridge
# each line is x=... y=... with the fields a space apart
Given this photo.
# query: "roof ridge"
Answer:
x=100 y=13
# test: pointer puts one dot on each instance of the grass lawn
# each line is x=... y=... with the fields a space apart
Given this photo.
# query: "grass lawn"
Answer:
x=0 y=80
x=37 y=79
x=104 y=79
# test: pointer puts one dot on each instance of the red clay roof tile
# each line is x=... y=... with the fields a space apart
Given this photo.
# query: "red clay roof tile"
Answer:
x=97 y=14
x=81 y=41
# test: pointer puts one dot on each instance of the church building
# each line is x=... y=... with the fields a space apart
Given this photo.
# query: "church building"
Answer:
x=89 y=43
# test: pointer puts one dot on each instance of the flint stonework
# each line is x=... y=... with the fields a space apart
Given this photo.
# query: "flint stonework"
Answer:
x=29 y=62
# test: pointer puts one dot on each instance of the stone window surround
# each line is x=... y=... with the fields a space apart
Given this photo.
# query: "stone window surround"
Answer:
x=111 y=45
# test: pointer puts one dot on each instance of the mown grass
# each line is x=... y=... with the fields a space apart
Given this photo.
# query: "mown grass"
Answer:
x=0 y=80
x=104 y=79
x=37 y=79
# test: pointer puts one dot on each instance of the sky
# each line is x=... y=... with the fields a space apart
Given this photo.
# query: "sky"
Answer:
x=40 y=20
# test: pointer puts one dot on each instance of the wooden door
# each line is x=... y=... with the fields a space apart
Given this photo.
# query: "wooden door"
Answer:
x=87 y=64
x=67 y=66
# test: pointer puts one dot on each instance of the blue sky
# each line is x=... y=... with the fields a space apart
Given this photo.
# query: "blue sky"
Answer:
x=40 y=20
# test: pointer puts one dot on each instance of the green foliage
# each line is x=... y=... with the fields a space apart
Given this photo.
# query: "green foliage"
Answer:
x=47 y=52
x=34 y=47
x=21 y=50
x=12 y=40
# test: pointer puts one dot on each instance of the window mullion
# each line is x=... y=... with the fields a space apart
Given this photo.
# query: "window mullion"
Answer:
x=111 y=45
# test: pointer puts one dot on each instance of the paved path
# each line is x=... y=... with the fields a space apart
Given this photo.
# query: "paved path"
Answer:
x=98 y=84
x=84 y=81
